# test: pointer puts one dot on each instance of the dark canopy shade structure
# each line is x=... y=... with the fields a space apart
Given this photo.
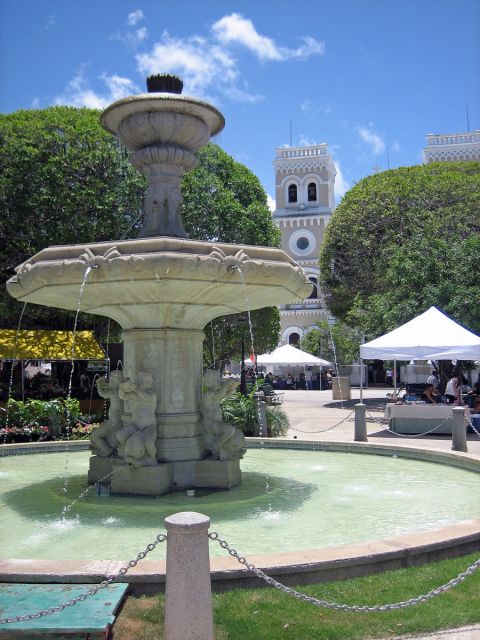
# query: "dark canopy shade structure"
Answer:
x=49 y=345
x=430 y=336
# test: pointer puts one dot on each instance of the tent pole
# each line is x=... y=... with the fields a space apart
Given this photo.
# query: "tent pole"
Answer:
x=395 y=377
x=23 y=382
x=361 y=381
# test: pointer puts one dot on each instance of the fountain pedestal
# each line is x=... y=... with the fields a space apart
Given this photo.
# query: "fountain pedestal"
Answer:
x=174 y=358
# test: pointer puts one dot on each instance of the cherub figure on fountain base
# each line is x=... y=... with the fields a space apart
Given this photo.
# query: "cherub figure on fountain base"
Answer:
x=137 y=440
x=103 y=439
x=223 y=440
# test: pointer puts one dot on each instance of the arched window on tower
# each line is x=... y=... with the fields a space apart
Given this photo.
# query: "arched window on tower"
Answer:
x=312 y=192
x=314 y=293
x=292 y=193
x=294 y=339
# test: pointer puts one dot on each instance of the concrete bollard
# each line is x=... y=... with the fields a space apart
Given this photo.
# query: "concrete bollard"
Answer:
x=459 y=430
x=360 y=423
x=188 y=592
x=262 y=418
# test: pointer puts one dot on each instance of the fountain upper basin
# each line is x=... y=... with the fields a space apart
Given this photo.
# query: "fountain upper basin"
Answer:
x=161 y=281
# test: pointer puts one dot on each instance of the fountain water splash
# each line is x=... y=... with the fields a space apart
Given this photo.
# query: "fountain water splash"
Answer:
x=72 y=355
x=10 y=383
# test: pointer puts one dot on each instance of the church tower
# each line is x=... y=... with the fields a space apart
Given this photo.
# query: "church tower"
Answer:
x=305 y=199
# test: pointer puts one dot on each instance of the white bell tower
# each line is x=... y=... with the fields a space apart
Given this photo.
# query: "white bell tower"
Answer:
x=305 y=199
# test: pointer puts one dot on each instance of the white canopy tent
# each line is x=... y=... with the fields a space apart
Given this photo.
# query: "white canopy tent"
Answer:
x=430 y=336
x=289 y=355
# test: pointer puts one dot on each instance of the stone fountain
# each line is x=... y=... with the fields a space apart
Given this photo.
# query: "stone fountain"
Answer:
x=165 y=428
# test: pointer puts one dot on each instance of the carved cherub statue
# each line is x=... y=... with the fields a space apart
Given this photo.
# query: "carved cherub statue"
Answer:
x=137 y=440
x=223 y=440
x=103 y=440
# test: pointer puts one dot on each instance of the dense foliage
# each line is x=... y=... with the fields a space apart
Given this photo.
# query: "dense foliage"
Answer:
x=402 y=241
x=224 y=201
x=339 y=344
x=63 y=179
x=31 y=420
x=242 y=412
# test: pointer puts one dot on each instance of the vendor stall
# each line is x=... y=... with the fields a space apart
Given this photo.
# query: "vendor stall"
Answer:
x=419 y=418
x=430 y=336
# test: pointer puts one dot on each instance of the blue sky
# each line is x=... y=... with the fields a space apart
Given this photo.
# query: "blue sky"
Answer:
x=369 y=77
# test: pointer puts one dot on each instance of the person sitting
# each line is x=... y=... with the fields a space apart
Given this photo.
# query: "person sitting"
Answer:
x=430 y=394
x=290 y=381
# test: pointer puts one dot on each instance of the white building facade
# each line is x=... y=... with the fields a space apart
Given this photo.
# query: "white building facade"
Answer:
x=305 y=199
x=452 y=147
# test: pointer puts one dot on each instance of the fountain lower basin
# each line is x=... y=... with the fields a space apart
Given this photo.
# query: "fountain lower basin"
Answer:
x=264 y=503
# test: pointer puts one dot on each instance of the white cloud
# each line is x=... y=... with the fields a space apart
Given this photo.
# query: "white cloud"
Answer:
x=50 y=22
x=78 y=93
x=135 y=17
x=203 y=66
x=395 y=147
x=134 y=36
x=341 y=185
x=36 y=103
x=235 y=29
x=208 y=65
x=373 y=139
x=311 y=109
x=305 y=141
x=272 y=205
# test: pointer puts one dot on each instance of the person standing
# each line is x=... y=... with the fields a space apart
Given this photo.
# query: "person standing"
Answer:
x=433 y=379
x=451 y=390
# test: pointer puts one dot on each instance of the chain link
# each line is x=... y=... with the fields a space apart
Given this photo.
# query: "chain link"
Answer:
x=91 y=592
x=344 y=607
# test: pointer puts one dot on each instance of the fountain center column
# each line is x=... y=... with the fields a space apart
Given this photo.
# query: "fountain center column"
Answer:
x=174 y=358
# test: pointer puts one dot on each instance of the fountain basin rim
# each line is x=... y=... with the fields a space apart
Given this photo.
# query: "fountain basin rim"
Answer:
x=113 y=115
x=157 y=244
x=306 y=566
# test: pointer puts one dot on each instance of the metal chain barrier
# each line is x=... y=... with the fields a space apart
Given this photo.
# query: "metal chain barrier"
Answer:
x=473 y=427
x=327 y=428
x=407 y=435
x=345 y=607
x=91 y=592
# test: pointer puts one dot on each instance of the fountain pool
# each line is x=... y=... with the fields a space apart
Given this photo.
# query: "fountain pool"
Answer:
x=287 y=501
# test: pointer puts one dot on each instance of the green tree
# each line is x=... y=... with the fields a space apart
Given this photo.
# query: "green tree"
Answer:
x=338 y=342
x=401 y=241
x=63 y=180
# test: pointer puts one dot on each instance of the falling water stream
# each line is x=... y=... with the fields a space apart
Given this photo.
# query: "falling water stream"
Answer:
x=10 y=383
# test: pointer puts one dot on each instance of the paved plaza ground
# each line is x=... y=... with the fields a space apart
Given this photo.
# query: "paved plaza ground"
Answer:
x=312 y=415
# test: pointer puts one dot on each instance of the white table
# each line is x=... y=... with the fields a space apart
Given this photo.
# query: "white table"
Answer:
x=419 y=418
